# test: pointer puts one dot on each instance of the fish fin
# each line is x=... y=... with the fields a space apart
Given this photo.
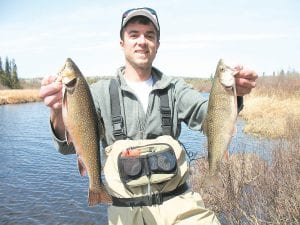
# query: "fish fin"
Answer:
x=99 y=196
x=81 y=167
x=68 y=137
x=226 y=155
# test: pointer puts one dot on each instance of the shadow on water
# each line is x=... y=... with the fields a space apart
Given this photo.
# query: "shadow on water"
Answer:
x=40 y=186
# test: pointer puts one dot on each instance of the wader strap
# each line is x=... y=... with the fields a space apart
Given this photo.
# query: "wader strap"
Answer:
x=117 y=119
x=165 y=112
x=154 y=199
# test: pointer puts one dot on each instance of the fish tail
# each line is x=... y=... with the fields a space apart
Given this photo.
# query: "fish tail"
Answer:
x=97 y=197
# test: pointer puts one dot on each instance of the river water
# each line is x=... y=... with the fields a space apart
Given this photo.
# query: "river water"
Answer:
x=40 y=186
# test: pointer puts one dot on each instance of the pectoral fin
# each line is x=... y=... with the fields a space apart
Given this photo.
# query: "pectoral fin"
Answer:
x=81 y=167
x=68 y=137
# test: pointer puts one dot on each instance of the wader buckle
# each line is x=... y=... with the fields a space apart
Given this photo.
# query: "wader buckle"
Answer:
x=156 y=199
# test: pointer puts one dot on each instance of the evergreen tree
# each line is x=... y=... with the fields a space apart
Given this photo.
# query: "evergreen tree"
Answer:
x=7 y=73
x=1 y=72
x=14 y=75
x=1 y=68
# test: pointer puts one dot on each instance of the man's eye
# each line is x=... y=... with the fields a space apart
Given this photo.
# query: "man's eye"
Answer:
x=150 y=36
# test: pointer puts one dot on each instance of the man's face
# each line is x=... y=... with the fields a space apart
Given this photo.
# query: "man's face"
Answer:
x=140 y=44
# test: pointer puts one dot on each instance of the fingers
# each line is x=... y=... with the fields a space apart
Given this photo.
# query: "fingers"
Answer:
x=247 y=74
x=51 y=92
x=50 y=89
x=245 y=80
x=241 y=91
x=54 y=100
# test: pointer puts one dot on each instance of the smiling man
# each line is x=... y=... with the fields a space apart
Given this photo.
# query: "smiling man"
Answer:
x=140 y=42
x=142 y=110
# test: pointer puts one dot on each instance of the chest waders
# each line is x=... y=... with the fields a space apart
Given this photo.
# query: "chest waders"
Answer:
x=146 y=162
x=150 y=187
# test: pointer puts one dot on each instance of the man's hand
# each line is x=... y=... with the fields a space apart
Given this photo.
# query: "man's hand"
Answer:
x=51 y=93
x=245 y=80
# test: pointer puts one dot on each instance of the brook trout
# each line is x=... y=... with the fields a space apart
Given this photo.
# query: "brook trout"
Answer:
x=83 y=129
x=219 y=124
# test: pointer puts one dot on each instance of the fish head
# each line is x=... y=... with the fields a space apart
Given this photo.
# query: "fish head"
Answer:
x=69 y=73
x=225 y=75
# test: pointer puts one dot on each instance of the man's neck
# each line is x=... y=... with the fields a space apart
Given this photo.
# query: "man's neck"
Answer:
x=137 y=74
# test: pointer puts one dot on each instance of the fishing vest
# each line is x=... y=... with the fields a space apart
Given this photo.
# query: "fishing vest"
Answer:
x=144 y=172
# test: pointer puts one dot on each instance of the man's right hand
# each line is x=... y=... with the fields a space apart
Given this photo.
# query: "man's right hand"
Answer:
x=51 y=93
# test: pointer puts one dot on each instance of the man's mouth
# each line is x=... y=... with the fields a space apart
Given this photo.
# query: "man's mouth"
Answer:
x=141 y=52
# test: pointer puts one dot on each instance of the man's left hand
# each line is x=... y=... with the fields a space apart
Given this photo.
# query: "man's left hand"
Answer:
x=245 y=80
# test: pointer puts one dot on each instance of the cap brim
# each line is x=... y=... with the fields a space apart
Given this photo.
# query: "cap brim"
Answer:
x=141 y=12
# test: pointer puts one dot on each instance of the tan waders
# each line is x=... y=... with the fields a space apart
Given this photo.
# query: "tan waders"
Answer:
x=185 y=209
x=170 y=201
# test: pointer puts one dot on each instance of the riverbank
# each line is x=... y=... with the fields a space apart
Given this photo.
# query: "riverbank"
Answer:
x=256 y=191
x=272 y=110
x=16 y=96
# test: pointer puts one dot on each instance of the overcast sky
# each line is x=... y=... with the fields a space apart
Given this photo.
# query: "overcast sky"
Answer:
x=41 y=34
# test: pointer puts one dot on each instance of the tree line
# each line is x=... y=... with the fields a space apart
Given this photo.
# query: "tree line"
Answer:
x=9 y=73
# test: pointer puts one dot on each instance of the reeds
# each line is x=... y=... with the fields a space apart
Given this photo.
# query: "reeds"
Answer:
x=271 y=104
x=14 y=96
x=257 y=191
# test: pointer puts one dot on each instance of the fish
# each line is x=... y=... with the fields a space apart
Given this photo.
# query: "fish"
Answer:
x=220 y=120
x=83 y=129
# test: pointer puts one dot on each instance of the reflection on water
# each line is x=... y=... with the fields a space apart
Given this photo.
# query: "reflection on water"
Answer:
x=40 y=186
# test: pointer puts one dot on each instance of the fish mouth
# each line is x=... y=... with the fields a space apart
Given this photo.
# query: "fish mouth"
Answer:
x=68 y=78
x=71 y=83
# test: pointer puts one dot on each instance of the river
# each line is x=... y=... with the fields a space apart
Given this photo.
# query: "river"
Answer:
x=40 y=186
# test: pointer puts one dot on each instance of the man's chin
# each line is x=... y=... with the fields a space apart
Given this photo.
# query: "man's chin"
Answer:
x=143 y=63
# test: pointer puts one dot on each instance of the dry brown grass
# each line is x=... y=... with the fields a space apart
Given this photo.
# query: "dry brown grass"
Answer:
x=15 y=96
x=270 y=105
x=256 y=191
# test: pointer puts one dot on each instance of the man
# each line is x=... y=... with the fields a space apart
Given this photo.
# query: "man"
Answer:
x=139 y=90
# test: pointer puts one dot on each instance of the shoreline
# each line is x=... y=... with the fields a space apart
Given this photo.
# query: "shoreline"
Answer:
x=259 y=111
x=19 y=96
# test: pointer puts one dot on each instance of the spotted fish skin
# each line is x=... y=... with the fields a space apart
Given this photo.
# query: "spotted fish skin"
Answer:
x=83 y=129
x=219 y=123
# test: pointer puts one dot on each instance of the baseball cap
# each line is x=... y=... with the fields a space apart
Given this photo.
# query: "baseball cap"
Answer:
x=144 y=11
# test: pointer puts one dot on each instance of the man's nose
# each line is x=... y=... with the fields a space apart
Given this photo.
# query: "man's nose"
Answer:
x=141 y=39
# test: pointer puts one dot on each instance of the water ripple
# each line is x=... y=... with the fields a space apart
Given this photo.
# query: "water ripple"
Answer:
x=40 y=186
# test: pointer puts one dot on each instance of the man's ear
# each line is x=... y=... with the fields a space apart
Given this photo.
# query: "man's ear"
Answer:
x=121 y=43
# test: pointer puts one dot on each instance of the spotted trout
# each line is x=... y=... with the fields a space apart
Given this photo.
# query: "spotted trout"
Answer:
x=83 y=129
x=219 y=123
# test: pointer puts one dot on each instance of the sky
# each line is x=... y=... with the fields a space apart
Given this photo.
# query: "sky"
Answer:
x=263 y=35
